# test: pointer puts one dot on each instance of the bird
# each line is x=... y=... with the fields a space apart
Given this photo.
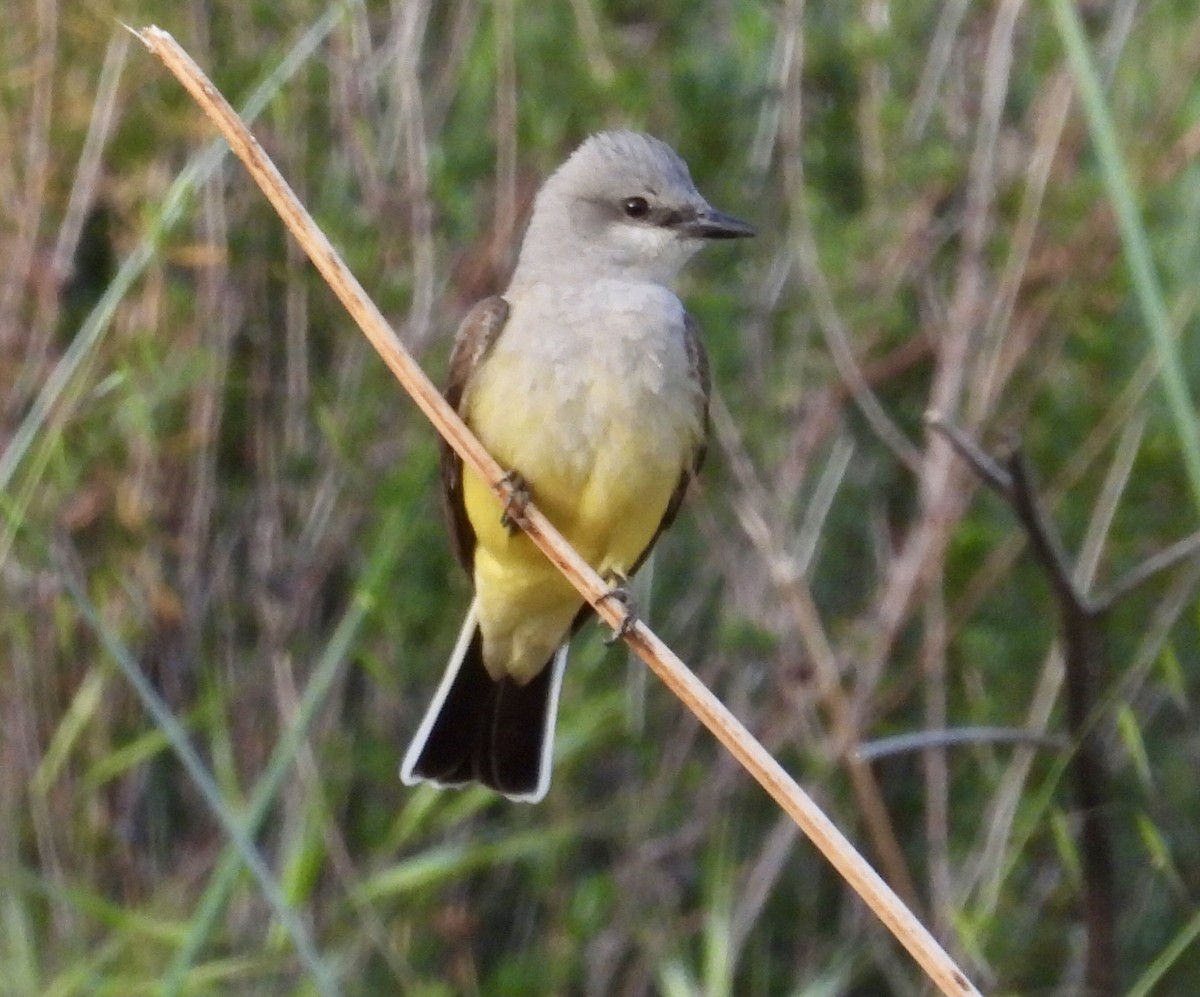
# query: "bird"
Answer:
x=588 y=380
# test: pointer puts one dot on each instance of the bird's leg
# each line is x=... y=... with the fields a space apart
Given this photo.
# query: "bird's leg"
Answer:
x=619 y=592
x=514 y=506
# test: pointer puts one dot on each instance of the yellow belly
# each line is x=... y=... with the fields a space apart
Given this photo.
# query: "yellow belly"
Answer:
x=605 y=492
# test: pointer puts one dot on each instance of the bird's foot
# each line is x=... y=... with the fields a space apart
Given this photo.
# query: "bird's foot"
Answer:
x=514 y=505
x=619 y=592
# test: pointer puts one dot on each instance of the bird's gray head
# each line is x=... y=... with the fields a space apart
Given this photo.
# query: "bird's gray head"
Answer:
x=623 y=205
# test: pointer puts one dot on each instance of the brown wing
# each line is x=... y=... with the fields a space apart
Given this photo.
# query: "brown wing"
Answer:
x=699 y=363
x=478 y=331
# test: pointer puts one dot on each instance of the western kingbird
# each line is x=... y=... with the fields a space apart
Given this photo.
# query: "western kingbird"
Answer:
x=589 y=380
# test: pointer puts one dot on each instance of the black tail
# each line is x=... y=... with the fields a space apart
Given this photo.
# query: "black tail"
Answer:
x=481 y=730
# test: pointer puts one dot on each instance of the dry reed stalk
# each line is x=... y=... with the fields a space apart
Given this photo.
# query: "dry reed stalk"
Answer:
x=909 y=931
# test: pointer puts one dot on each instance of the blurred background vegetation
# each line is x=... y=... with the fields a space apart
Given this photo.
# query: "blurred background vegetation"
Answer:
x=209 y=480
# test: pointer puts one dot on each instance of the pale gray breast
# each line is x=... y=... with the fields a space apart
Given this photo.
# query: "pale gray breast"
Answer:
x=603 y=358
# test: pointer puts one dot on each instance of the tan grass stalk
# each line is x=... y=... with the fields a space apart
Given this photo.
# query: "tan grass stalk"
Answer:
x=678 y=678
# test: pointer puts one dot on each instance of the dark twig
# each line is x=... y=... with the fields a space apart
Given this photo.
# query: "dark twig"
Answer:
x=1082 y=624
x=993 y=475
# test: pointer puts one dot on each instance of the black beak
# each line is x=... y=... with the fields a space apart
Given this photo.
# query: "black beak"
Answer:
x=712 y=224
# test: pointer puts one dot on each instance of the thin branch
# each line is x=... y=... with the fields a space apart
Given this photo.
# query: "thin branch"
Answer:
x=992 y=474
x=1083 y=640
x=837 y=339
x=787 y=573
x=1179 y=552
x=934 y=650
x=1046 y=545
x=85 y=190
x=695 y=695
x=954 y=737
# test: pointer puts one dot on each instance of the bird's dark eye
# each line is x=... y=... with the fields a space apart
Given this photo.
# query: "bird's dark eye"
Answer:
x=635 y=207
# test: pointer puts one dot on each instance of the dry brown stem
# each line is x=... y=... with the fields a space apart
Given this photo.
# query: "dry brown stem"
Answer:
x=678 y=678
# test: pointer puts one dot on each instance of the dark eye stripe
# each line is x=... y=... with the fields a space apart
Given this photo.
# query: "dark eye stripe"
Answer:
x=668 y=217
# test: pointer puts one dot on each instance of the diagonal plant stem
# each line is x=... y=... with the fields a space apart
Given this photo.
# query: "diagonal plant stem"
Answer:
x=327 y=669
x=1133 y=237
x=788 y=574
x=696 y=696
x=61 y=391
x=1082 y=628
x=160 y=712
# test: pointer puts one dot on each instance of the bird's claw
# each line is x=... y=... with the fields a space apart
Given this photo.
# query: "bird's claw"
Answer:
x=620 y=593
x=514 y=505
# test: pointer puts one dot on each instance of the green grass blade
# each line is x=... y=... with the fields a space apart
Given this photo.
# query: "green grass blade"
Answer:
x=61 y=386
x=222 y=880
x=1167 y=958
x=161 y=714
x=1133 y=237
